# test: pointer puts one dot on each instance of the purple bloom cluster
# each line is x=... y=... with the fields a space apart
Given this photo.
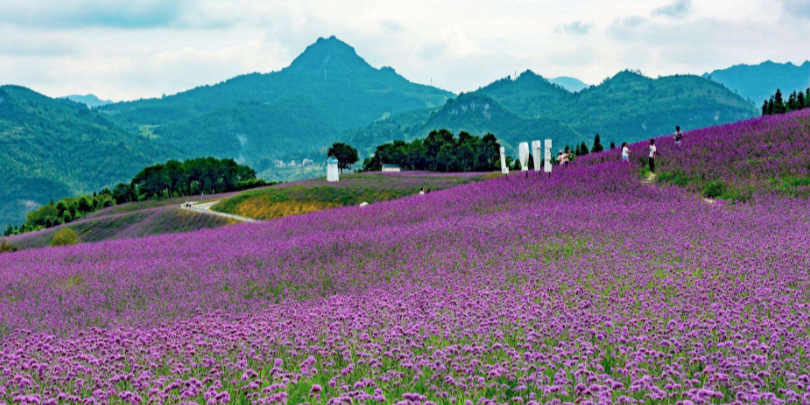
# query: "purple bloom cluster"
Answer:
x=585 y=287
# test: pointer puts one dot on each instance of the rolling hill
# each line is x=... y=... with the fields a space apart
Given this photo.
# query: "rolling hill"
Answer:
x=299 y=110
x=758 y=82
x=571 y=84
x=52 y=148
x=90 y=100
x=626 y=107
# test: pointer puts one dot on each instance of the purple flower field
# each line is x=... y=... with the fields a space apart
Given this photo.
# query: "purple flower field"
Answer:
x=588 y=287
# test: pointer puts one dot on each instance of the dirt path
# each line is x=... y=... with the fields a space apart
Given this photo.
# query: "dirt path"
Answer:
x=205 y=208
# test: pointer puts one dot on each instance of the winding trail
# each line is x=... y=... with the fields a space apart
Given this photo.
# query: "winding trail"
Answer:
x=205 y=208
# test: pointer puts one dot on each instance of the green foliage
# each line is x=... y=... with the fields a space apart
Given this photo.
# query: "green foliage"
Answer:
x=440 y=151
x=597 y=144
x=776 y=105
x=345 y=154
x=51 y=148
x=714 y=189
x=6 y=247
x=191 y=177
x=65 y=236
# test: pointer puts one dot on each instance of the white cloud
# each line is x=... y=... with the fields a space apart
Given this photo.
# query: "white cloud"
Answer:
x=677 y=9
x=124 y=49
x=576 y=27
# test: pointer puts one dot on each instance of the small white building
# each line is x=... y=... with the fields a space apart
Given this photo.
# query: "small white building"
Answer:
x=390 y=168
x=332 y=172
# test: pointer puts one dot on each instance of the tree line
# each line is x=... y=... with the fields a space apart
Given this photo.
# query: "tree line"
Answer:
x=777 y=105
x=163 y=180
x=441 y=151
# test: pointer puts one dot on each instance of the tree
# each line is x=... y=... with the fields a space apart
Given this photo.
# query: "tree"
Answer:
x=791 y=104
x=85 y=205
x=345 y=154
x=597 y=144
x=801 y=102
x=583 y=149
x=771 y=106
x=65 y=236
x=778 y=103
x=612 y=145
x=765 y=110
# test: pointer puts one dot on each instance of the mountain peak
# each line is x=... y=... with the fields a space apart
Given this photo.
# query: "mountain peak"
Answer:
x=329 y=54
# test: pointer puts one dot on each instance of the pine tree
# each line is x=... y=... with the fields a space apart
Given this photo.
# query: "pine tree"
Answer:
x=791 y=104
x=807 y=98
x=612 y=145
x=778 y=103
x=597 y=144
x=584 y=148
x=801 y=102
x=771 y=106
x=765 y=108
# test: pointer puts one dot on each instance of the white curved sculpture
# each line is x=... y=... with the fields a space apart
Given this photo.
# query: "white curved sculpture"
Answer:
x=504 y=169
x=523 y=154
x=547 y=166
x=332 y=172
x=536 y=155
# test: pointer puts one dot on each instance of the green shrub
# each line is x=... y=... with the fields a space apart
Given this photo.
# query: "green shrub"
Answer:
x=6 y=247
x=714 y=189
x=65 y=236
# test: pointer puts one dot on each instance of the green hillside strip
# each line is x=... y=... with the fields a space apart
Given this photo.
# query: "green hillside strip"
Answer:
x=353 y=189
x=757 y=82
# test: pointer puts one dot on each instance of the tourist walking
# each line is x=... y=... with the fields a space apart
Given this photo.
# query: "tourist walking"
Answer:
x=625 y=152
x=678 y=136
x=652 y=155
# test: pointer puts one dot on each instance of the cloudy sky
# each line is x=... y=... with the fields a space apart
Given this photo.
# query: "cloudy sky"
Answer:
x=128 y=49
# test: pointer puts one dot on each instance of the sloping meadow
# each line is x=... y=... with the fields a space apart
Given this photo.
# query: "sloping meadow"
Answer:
x=588 y=286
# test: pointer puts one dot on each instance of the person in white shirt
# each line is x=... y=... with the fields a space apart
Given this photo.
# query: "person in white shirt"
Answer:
x=625 y=152
x=652 y=155
x=678 y=136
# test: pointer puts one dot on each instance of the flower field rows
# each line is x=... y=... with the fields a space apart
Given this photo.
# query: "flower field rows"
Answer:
x=588 y=286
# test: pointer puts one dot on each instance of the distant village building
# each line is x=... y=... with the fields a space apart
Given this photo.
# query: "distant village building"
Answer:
x=332 y=173
x=278 y=163
x=390 y=168
x=307 y=162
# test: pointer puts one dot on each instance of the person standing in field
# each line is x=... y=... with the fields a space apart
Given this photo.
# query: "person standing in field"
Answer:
x=678 y=136
x=625 y=152
x=652 y=155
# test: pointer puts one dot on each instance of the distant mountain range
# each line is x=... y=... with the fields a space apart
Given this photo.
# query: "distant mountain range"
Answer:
x=57 y=147
x=90 y=100
x=569 y=83
x=295 y=112
x=627 y=107
x=757 y=83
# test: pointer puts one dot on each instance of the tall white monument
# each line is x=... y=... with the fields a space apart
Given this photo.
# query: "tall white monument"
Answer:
x=547 y=160
x=504 y=169
x=332 y=172
x=537 y=155
x=523 y=154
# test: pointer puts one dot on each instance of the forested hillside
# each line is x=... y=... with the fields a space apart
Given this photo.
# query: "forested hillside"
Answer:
x=627 y=107
x=53 y=148
x=326 y=90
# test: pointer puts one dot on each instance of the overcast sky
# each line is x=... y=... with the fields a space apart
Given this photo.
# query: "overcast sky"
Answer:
x=127 y=49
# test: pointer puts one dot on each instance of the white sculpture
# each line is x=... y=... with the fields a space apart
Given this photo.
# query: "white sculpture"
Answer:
x=332 y=172
x=547 y=166
x=504 y=169
x=536 y=155
x=523 y=154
